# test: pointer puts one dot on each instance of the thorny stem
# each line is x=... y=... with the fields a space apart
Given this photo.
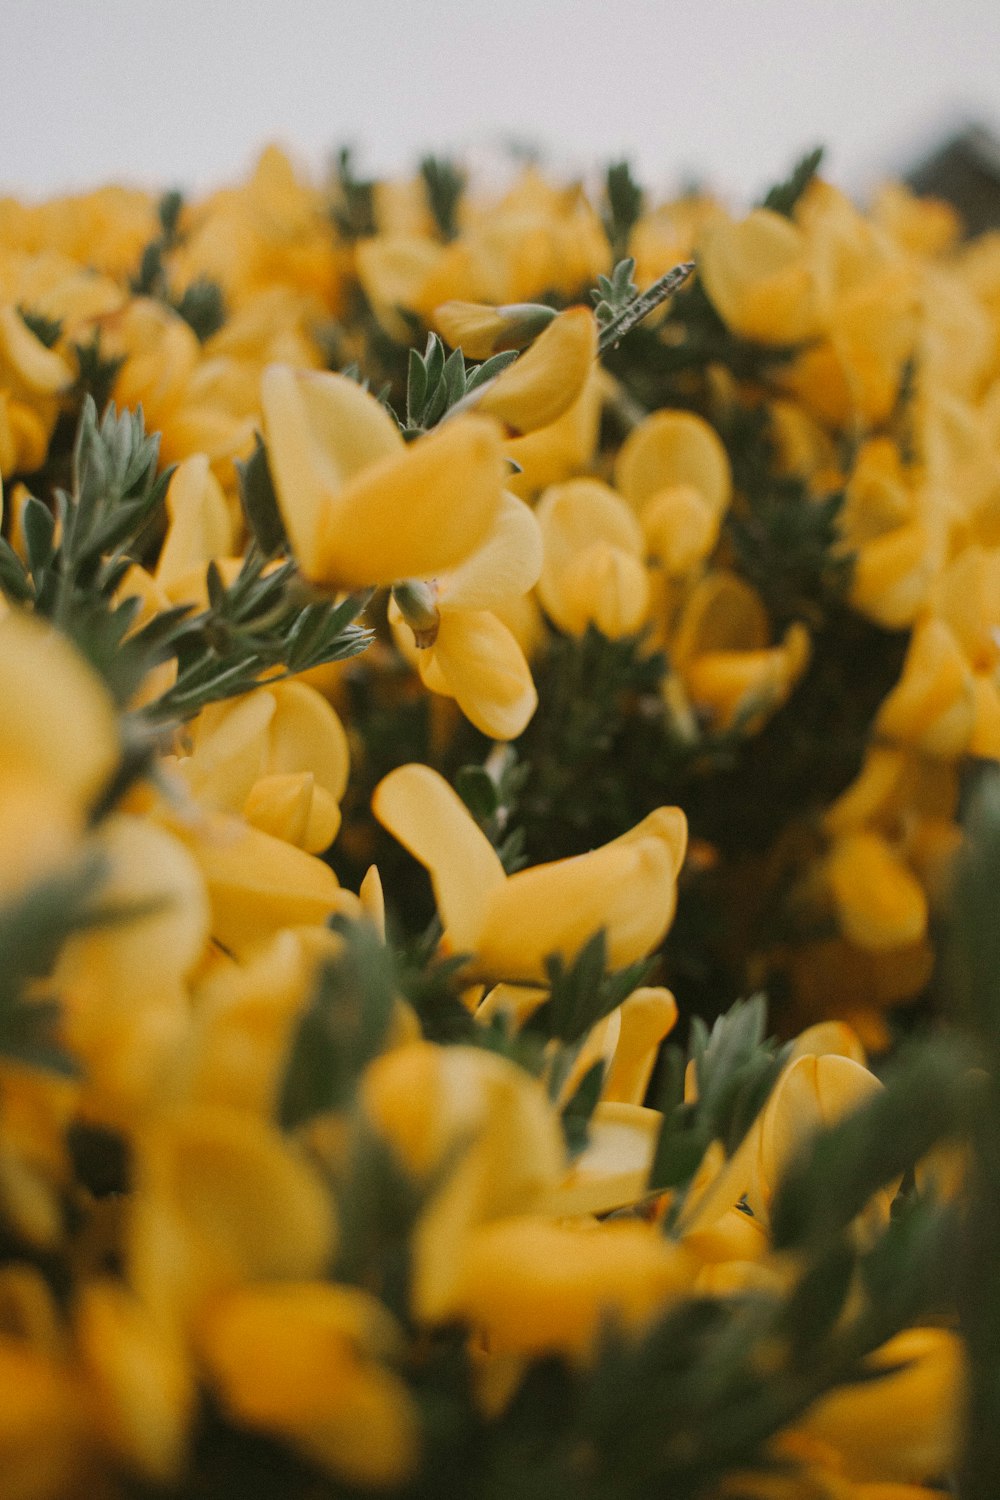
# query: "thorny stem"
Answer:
x=640 y=307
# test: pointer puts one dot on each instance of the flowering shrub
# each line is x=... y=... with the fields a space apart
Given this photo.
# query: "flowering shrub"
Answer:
x=363 y=533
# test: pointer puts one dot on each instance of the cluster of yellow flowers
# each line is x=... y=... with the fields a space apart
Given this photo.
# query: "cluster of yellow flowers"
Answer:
x=231 y=1274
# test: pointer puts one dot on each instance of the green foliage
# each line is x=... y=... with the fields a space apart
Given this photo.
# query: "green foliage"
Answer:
x=640 y=306
x=436 y=383
x=96 y=373
x=785 y=536
x=259 y=501
x=444 y=182
x=735 y=1068
x=491 y=792
x=263 y=620
x=784 y=196
x=201 y=305
x=343 y=1027
x=624 y=202
x=48 y=331
x=614 y=293
x=353 y=206
x=583 y=991
x=34 y=925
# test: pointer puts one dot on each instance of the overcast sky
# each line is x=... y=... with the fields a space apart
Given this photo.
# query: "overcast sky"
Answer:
x=186 y=92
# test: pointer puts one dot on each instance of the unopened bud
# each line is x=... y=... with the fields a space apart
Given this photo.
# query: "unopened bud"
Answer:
x=417 y=602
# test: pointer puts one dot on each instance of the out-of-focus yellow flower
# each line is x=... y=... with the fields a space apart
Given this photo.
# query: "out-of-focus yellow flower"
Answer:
x=487 y=1119
x=814 y=1091
x=32 y=378
x=905 y=1426
x=933 y=706
x=720 y=651
x=759 y=278
x=593 y=572
x=221 y=1201
x=44 y=1446
x=562 y=449
x=48 y=775
x=199 y=526
x=879 y=901
x=472 y=655
x=512 y=924
x=304 y=1362
x=140 y=1385
x=124 y=985
x=544 y=382
x=674 y=471
x=533 y=1287
x=257 y=883
x=361 y=507
x=279 y=756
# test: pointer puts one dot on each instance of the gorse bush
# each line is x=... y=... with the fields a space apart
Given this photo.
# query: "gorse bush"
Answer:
x=499 y=843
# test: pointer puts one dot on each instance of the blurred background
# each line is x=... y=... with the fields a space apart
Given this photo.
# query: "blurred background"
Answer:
x=725 y=91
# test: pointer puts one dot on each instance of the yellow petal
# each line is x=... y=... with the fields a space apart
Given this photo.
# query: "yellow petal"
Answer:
x=199 y=526
x=907 y=1424
x=671 y=448
x=306 y=735
x=613 y=1170
x=229 y=746
x=646 y=1017
x=548 y=378
x=257 y=883
x=298 y=1361
x=483 y=668
x=419 y=808
x=58 y=720
x=628 y=888
x=507 y=562
x=321 y=429
x=933 y=706
x=757 y=275
x=880 y=902
x=417 y=513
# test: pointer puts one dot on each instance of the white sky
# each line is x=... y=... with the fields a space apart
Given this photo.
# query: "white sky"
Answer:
x=186 y=92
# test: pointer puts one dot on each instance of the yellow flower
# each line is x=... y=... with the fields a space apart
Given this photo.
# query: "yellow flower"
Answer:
x=544 y=382
x=58 y=746
x=304 y=1362
x=488 y=1120
x=674 y=471
x=759 y=277
x=473 y=656
x=512 y=924
x=480 y=330
x=533 y=1287
x=279 y=756
x=933 y=706
x=721 y=653
x=32 y=378
x=879 y=901
x=594 y=570
x=221 y=1200
x=906 y=1425
x=361 y=507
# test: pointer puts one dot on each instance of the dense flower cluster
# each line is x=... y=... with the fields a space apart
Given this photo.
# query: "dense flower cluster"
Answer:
x=310 y=1173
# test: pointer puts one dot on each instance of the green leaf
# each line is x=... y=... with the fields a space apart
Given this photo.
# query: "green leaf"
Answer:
x=624 y=205
x=343 y=1028
x=203 y=307
x=784 y=196
x=478 y=791
x=582 y=992
x=259 y=501
x=445 y=184
x=353 y=208
x=39 y=530
x=578 y=1109
x=47 y=331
